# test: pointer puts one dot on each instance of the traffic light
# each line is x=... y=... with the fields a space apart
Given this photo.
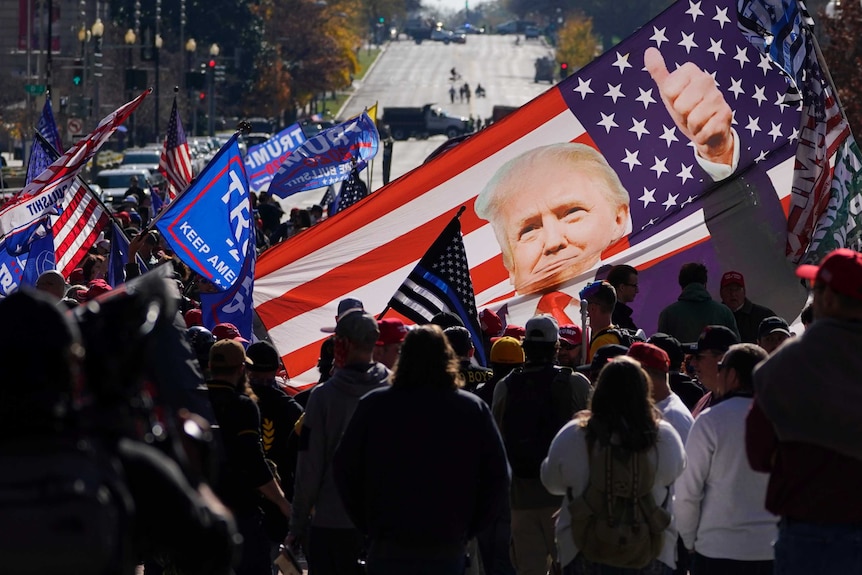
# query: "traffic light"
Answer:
x=202 y=96
x=382 y=20
x=78 y=72
x=212 y=64
x=564 y=70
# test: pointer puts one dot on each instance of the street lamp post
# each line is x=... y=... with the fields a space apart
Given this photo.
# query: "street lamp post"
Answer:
x=214 y=50
x=158 y=45
x=130 y=39
x=191 y=46
x=98 y=31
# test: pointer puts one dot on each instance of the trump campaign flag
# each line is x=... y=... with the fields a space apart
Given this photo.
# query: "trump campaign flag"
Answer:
x=328 y=157
x=209 y=225
x=235 y=304
x=47 y=127
x=602 y=169
x=264 y=159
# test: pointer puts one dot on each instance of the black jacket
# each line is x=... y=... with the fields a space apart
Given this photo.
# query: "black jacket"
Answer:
x=421 y=470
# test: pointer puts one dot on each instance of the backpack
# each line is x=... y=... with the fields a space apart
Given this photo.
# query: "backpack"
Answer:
x=616 y=521
x=64 y=507
x=626 y=336
x=542 y=405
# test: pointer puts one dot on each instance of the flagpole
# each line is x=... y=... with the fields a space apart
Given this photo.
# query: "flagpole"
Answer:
x=241 y=128
x=49 y=146
x=457 y=216
x=371 y=169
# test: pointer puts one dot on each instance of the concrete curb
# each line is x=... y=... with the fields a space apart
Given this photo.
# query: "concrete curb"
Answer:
x=353 y=90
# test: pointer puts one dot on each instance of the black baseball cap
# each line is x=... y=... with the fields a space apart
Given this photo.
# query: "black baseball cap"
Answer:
x=713 y=338
x=602 y=356
x=771 y=325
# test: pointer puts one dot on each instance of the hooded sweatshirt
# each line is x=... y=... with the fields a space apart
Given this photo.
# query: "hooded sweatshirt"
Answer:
x=329 y=409
x=694 y=310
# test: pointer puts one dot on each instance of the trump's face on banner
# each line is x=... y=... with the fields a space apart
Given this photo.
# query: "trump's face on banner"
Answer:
x=554 y=210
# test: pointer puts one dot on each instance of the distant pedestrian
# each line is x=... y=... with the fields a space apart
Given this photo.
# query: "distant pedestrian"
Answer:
x=467 y=91
x=461 y=93
x=452 y=94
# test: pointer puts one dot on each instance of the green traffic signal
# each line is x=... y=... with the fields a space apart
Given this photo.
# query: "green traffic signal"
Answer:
x=78 y=72
x=381 y=19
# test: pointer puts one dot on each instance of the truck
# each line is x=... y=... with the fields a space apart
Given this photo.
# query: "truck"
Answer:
x=422 y=122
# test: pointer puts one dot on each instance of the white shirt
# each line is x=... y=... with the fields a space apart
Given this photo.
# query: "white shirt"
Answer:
x=567 y=466
x=720 y=500
x=674 y=411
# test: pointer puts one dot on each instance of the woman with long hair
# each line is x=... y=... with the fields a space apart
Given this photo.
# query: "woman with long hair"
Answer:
x=621 y=417
x=421 y=467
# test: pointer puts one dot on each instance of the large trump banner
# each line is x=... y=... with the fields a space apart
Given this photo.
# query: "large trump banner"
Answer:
x=678 y=145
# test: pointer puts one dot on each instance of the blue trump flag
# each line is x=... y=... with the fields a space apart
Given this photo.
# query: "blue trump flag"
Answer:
x=234 y=305
x=118 y=257
x=209 y=225
x=328 y=157
x=40 y=246
x=11 y=270
x=264 y=159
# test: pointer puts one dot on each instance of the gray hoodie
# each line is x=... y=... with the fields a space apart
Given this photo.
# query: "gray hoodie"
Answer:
x=329 y=409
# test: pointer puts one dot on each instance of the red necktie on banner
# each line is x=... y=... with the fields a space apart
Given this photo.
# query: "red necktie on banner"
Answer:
x=553 y=303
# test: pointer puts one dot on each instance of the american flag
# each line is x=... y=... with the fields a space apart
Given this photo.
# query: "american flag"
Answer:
x=784 y=30
x=441 y=282
x=352 y=190
x=175 y=163
x=78 y=227
x=678 y=213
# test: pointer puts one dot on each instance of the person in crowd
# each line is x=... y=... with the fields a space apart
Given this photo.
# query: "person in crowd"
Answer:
x=688 y=390
x=506 y=355
x=460 y=340
x=516 y=331
x=270 y=212
x=491 y=326
x=719 y=497
x=246 y=475
x=334 y=544
x=228 y=331
x=571 y=345
x=324 y=367
x=656 y=363
x=711 y=346
x=387 y=348
x=201 y=340
x=520 y=409
x=52 y=283
x=772 y=332
x=416 y=466
x=804 y=427
x=446 y=319
x=624 y=279
x=621 y=413
x=525 y=202
x=603 y=355
x=601 y=299
x=94 y=267
x=695 y=308
x=278 y=416
x=155 y=502
x=747 y=314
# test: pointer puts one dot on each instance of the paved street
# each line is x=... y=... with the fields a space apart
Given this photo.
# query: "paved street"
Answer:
x=407 y=74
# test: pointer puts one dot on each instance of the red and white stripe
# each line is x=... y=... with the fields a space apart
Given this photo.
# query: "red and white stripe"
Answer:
x=176 y=165
x=77 y=228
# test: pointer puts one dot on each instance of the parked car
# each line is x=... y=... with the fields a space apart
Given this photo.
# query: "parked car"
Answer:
x=441 y=35
x=144 y=158
x=532 y=32
x=114 y=182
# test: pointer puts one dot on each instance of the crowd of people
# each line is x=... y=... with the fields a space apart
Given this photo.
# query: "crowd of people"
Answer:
x=723 y=443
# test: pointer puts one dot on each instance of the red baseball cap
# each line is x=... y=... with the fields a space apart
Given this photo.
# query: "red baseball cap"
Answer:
x=650 y=356
x=516 y=331
x=392 y=330
x=193 y=317
x=841 y=270
x=571 y=334
x=228 y=331
x=732 y=278
x=490 y=322
x=96 y=288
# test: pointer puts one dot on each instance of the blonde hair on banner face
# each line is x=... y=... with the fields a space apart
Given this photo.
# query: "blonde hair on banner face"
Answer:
x=508 y=179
